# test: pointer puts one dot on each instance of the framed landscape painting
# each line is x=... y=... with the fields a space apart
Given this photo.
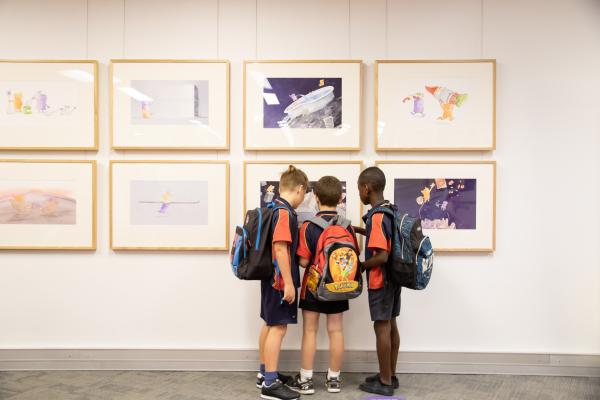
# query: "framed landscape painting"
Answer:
x=456 y=201
x=435 y=105
x=169 y=205
x=48 y=105
x=169 y=104
x=47 y=205
x=261 y=185
x=302 y=105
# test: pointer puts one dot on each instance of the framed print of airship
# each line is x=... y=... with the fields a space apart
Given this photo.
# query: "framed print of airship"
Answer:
x=455 y=200
x=47 y=205
x=48 y=105
x=302 y=105
x=169 y=104
x=169 y=205
x=429 y=105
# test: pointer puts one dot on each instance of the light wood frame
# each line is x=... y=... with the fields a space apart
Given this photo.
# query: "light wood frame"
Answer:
x=94 y=147
x=94 y=204
x=296 y=162
x=361 y=106
x=168 y=61
x=490 y=162
x=169 y=248
x=411 y=149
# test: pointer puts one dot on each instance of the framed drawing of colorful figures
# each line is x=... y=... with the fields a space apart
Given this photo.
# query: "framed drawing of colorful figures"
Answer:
x=302 y=105
x=169 y=205
x=261 y=185
x=435 y=105
x=49 y=105
x=47 y=205
x=455 y=200
x=169 y=104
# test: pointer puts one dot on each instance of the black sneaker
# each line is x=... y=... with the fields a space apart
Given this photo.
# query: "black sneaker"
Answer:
x=278 y=391
x=302 y=387
x=260 y=378
x=373 y=378
x=377 y=387
x=334 y=385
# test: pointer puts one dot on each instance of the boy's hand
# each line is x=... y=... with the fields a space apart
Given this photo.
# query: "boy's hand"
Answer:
x=360 y=230
x=289 y=293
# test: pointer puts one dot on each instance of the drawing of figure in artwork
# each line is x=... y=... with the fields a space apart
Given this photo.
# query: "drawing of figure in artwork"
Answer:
x=447 y=99
x=418 y=104
x=166 y=200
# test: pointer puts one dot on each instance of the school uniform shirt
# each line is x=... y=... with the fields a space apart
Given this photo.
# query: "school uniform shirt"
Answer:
x=285 y=229
x=378 y=238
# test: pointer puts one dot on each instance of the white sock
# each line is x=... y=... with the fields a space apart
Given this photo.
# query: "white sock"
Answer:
x=332 y=374
x=305 y=374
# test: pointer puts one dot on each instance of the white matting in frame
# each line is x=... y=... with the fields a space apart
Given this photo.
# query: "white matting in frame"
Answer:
x=170 y=104
x=49 y=105
x=456 y=201
x=302 y=105
x=261 y=183
x=169 y=205
x=435 y=105
x=47 y=205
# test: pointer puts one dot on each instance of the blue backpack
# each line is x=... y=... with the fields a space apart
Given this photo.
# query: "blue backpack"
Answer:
x=412 y=253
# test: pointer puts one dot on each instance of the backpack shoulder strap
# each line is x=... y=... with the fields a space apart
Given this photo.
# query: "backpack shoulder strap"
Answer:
x=341 y=221
x=320 y=222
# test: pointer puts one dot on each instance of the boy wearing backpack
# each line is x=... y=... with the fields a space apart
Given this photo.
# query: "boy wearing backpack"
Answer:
x=328 y=193
x=384 y=294
x=278 y=293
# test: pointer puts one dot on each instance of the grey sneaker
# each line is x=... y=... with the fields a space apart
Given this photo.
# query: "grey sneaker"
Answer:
x=260 y=378
x=278 y=391
x=302 y=387
x=373 y=378
x=334 y=385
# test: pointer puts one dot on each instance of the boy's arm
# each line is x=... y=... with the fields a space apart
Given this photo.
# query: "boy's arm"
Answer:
x=282 y=255
x=380 y=257
x=360 y=230
x=304 y=262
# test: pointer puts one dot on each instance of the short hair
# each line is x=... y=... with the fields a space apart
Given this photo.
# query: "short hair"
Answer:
x=373 y=177
x=291 y=178
x=329 y=191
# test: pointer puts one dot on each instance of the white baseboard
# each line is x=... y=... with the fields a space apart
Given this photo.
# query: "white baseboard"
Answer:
x=247 y=360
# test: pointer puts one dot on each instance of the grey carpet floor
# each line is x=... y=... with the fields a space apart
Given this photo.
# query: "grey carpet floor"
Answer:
x=146 y=385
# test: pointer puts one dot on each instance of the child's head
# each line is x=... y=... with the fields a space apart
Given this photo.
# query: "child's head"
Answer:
x=371 y=183
x=328 y=191
x=293 y=185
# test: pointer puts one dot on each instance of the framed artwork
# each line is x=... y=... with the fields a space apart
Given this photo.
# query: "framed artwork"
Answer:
x=49 y=105
x=261 y=185
x=302 y=105
x=169 y=104
x=456 y=200
x=169 y=205
x=435 y=105
x=47 y=205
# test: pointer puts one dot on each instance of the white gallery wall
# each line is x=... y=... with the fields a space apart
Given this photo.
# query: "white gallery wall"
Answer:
x=539 y=292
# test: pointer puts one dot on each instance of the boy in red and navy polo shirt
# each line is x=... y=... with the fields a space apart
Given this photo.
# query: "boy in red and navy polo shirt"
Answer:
x=384 y=294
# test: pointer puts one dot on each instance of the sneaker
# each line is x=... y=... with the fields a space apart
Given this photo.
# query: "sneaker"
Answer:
x=278 y=391
x=377 y=387
x=302 y=387
x=373 y=378
x=334 y=385
x=260 y=378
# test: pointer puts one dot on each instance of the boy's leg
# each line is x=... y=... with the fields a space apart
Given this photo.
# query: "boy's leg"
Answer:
x=395 y=344
x=310 y=326
x=272 y=348
x=336 y=340
x=264 y=331
x=384 y=346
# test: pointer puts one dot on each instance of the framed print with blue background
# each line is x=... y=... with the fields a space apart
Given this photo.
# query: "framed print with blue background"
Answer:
x=302 y=105
x=169 y=104
x=49 y=105
x=435 y=105
x=455 y=200
x=169 y=205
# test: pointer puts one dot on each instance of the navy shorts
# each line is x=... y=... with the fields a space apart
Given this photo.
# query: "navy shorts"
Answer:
x=309 y=303
x=384 y=303
x=272 y=310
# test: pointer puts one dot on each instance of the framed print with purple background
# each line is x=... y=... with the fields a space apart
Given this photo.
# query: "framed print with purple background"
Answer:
x=454 y=200
x=302 y=105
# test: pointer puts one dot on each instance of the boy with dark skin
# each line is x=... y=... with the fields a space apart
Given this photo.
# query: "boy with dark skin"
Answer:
x=384 y=295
